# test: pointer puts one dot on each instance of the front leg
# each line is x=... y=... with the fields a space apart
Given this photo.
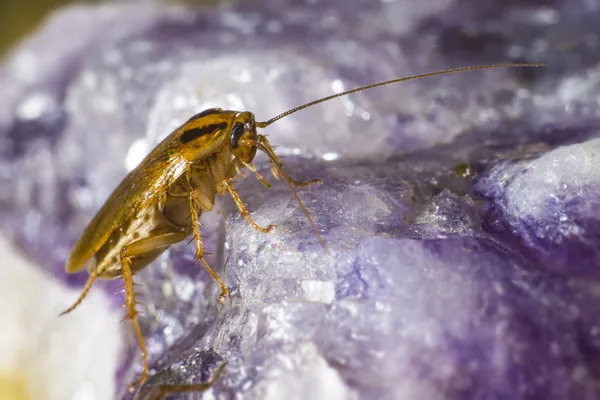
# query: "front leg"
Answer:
x=253 y=169
x=128 y=253
x=242 y=208
x=278 y=168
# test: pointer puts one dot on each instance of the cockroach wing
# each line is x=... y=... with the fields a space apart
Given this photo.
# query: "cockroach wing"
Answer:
x=140 y=187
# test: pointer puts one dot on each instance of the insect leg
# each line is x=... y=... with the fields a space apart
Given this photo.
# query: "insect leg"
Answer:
x=84 y=292
x=128 y=252
x=242 y=207
x=199 y=246
x=260 y=178
x=238 y=170
x=132 y=315
x=275 y=171
x=263 y=145
x=164 y=390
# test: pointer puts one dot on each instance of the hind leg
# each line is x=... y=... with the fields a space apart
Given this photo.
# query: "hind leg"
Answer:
x=164 y=390
x=84 y=292
x=128 y=253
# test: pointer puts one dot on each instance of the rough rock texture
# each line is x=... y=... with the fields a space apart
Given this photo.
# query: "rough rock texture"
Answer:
x=460 y=213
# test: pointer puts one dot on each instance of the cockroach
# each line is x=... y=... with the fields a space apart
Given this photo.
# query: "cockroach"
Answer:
x=159 y=202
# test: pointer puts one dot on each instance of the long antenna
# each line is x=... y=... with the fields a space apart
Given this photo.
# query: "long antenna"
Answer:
x=397 y=80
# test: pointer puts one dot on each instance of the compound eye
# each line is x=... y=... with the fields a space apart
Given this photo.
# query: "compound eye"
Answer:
x=236 y=133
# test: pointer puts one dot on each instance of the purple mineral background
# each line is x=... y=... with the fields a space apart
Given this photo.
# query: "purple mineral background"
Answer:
x=461 y=213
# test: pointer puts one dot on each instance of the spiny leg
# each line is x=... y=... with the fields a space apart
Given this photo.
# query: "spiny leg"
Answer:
x=164 y=390
x=242 y=208
x=84 y=292
x=238 y=170
x=263 y=145
x=128 y=252
x=275 y=171
x=132 y=315
x=260 y=178
x=200 y=247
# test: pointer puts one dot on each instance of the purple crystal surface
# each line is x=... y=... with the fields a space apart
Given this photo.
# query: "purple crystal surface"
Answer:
x=460 y=212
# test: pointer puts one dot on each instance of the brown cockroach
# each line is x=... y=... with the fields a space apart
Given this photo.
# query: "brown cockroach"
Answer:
x=159 y=202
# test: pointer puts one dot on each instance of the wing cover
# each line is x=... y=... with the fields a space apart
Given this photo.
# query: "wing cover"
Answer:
x=150 y=179
x=139 y=188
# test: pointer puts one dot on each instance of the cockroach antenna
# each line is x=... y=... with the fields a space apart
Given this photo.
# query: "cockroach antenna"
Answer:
x=397 y=80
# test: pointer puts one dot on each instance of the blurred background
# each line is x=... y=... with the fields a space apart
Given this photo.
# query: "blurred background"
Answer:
x=52 y=111
x=20 y=17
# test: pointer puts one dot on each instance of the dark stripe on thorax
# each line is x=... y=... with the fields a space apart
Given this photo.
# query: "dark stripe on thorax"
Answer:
x=195 y=133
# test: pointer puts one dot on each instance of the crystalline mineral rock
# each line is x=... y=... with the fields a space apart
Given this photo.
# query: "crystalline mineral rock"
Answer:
x=461 y=213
